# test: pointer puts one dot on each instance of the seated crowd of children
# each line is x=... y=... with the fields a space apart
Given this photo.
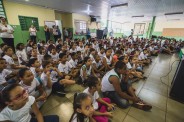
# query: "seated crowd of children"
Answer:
x=29 y=75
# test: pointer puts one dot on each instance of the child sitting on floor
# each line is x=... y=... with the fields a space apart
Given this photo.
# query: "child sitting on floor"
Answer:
x=100 y=105
x=19 y=104
x=83 y=108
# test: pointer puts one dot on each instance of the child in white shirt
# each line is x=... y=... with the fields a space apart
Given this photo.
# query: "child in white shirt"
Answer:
x=21 y=54
x=19 y=104
x=8 y=51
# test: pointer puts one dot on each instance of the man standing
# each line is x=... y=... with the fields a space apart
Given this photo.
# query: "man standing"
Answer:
x=115 y=86
x=65 y=33
x=105 y=32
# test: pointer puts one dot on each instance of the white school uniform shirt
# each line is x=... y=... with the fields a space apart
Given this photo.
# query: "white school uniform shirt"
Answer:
x=3 y=75
x=97 y=64
x=91 y=57
x=31 y=89
x=108 y=60
x=20 y=115
x=28 y=49
x=96 y=47
x=21 y=54
x=151 y=48
x=80 y=49
x=94 y=98
x=53 y=77
x=74 y=119
x=73 y=51
x=9 y=61
x=73 y=63
x=101 y=55
x=34 y=71
x=40 y=58
x=33 y=31
x=7 y=34
x=44 y=79
x=55 y=57
x=64 y=67
x=88 y=71
x=129 y=65
x=141 y=56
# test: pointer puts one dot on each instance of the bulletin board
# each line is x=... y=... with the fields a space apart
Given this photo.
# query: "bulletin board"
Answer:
x=26 y=22
x=173 y=32
x=50 y=23
x=139 y=28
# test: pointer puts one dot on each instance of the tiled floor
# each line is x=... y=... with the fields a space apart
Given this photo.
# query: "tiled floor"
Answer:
x=152 y=91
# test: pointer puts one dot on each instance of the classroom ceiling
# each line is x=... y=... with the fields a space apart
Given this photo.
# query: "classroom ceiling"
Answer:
x=148 y=8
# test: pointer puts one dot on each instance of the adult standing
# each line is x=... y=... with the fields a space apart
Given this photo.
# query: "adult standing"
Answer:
x=88 y=34
x=105 y=32
x=32 y=31
x=59 y=32
x=65 y=32
x=115 y=86
x=6 y=33
x=111 y=33
x=55 y=32
x=47 y=33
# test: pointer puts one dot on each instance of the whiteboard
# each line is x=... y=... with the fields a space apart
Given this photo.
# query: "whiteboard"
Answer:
x=50 y=23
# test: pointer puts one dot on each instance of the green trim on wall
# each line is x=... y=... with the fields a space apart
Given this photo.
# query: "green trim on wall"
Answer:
x=157 y=33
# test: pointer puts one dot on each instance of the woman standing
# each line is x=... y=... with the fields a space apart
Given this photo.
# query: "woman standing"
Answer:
x=47 y=33
x=6 y=33
x=55 y=32
x=33 y=31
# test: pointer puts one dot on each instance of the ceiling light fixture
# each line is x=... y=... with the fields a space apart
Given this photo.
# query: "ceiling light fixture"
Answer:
x=26 y=0
x=120 y=5
x=138 y=16
x=174 y=13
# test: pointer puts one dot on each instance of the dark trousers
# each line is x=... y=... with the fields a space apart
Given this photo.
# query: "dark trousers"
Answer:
x=47 y=36
x=9 y=42
x=88 y=36
x=33 y=38
x=55 y=38
x=57 y=87
x=49 y=118
x=65 y=38
x=104 y=36
x=113 y=95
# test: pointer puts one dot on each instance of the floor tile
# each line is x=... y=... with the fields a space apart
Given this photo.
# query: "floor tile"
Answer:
x=64 y=111
x=157 y=87
x=175 y=110
x=52 y=102
x=118 y=115
x=128 y=118
x=138 y=86
x=153 y=98
x=155 y=115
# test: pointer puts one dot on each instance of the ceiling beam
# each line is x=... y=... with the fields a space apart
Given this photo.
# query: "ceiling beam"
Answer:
x=174 y=13
x=119 y=5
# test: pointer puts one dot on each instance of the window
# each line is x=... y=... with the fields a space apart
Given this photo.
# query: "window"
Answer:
x=80 y=26
x=2 y=10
